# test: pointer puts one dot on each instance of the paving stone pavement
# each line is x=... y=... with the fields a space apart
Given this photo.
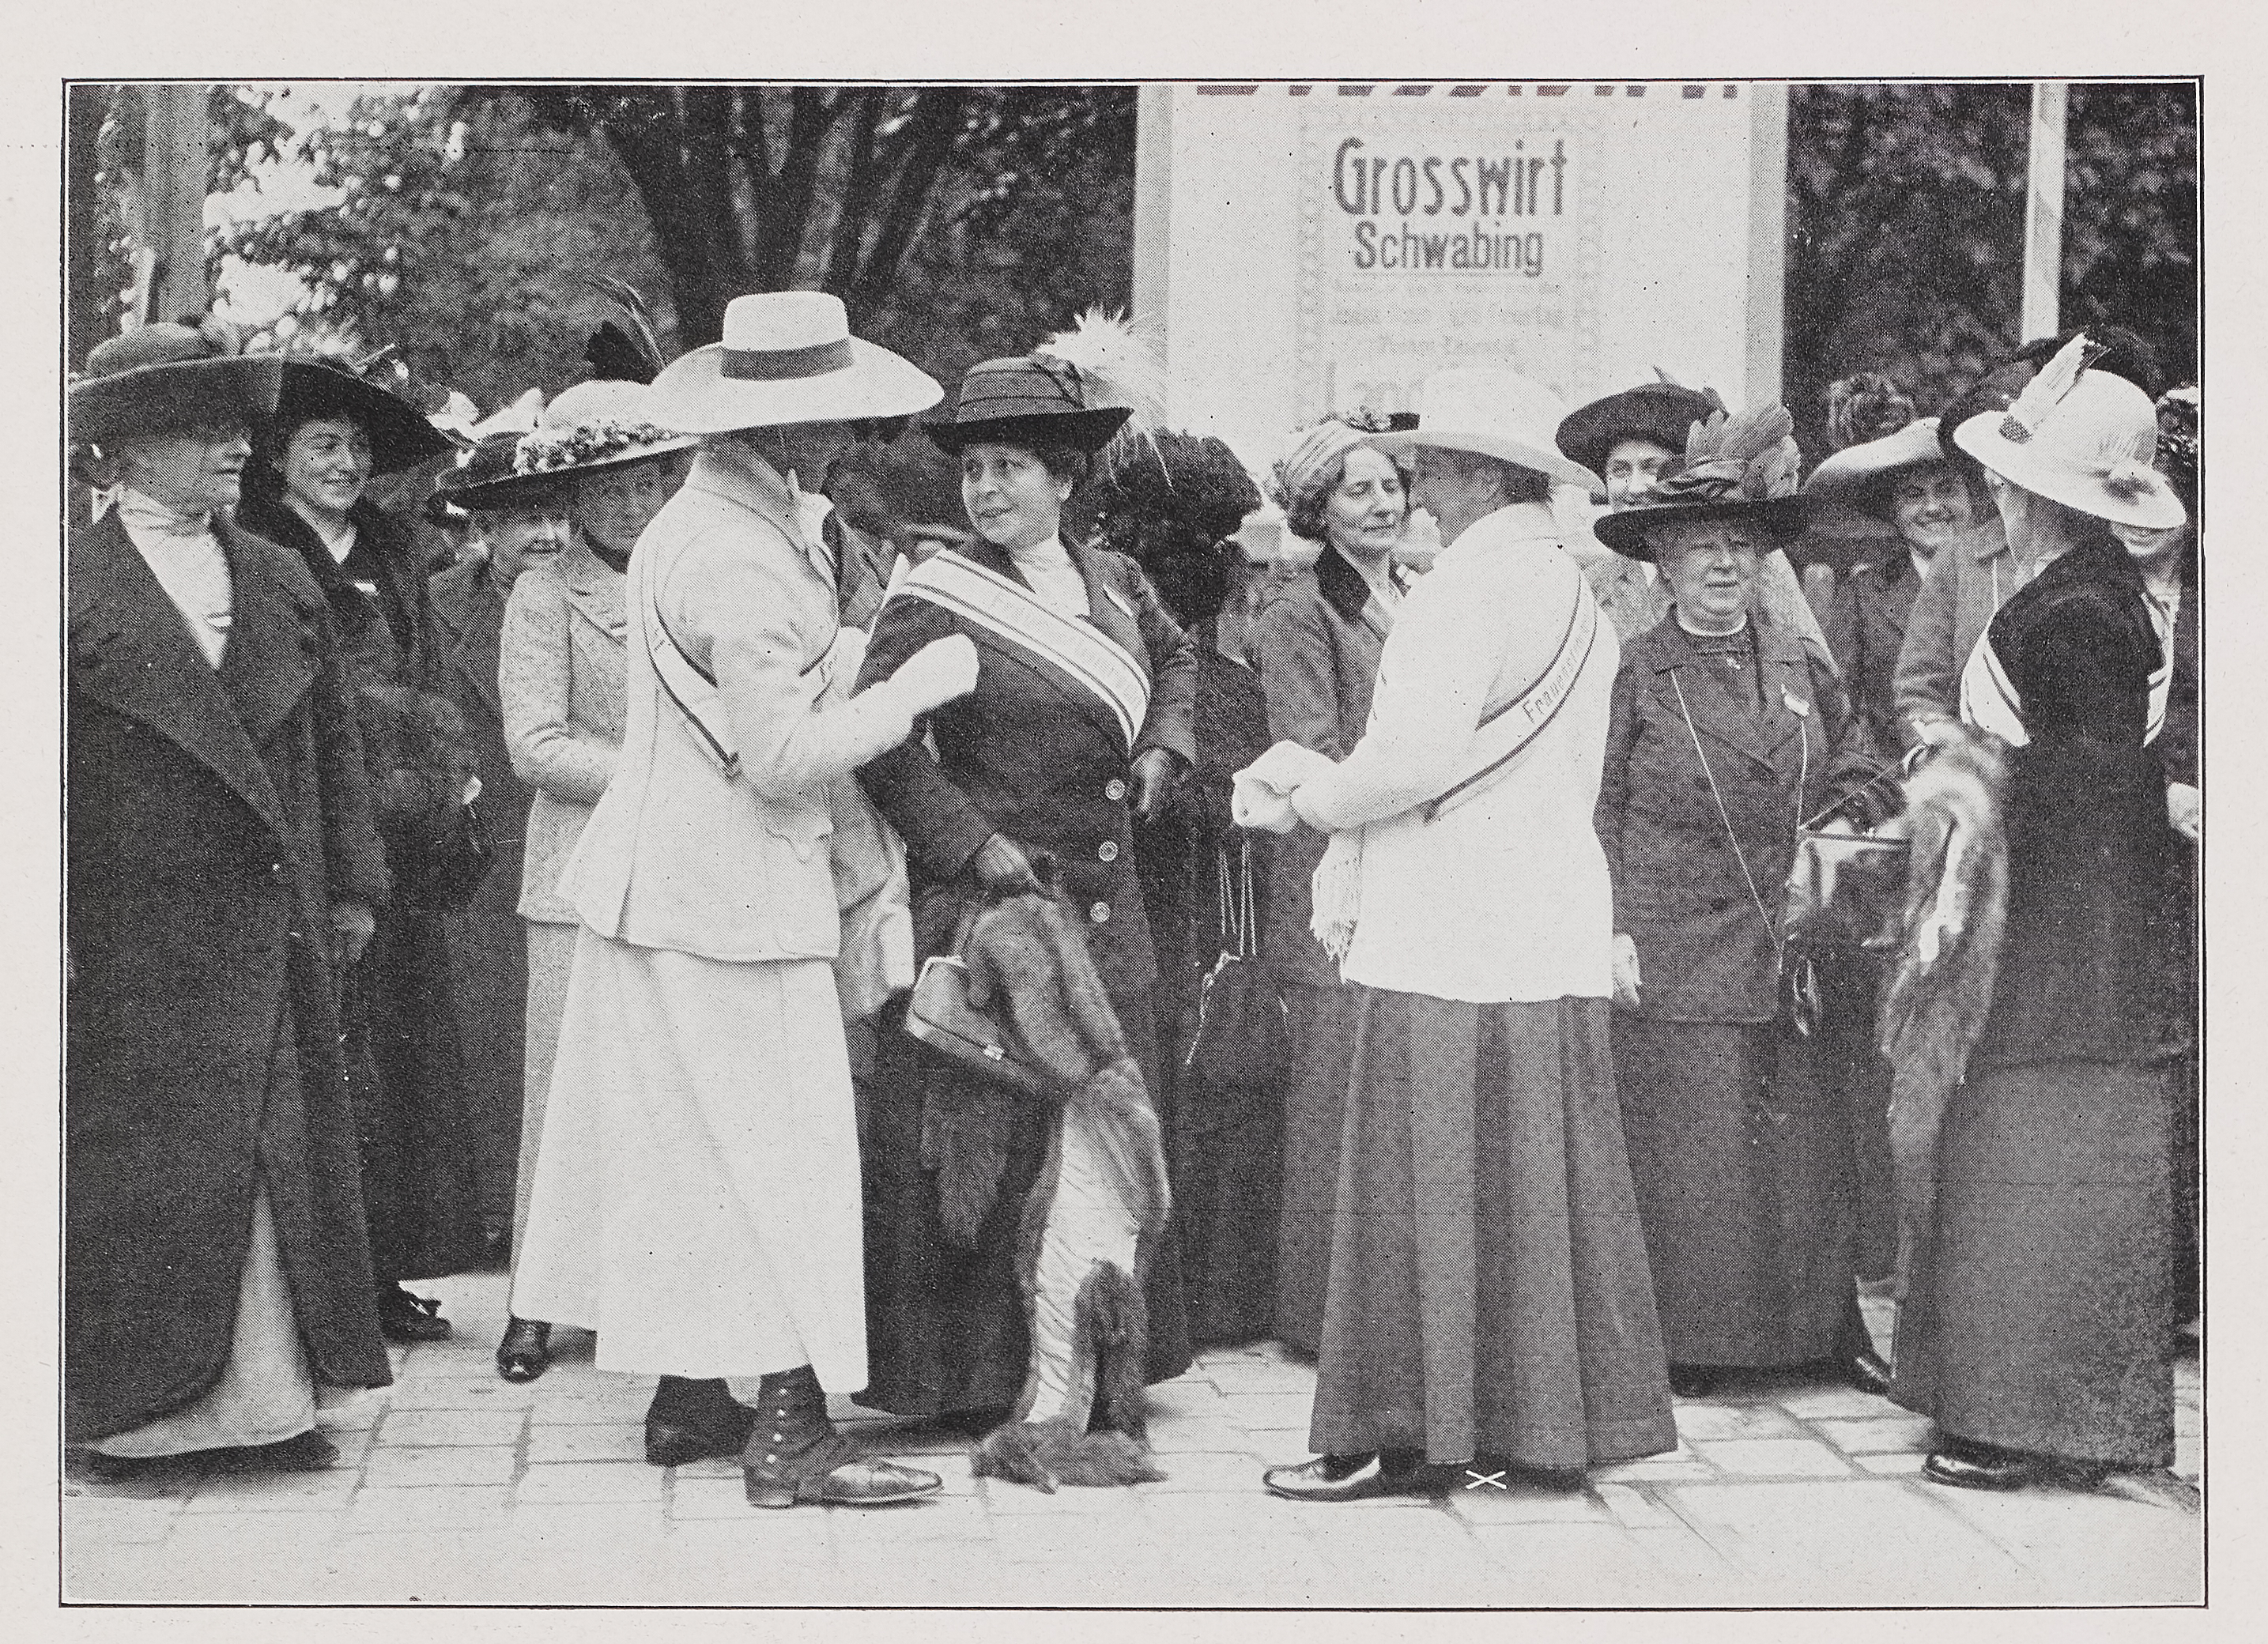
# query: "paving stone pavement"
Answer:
x=454 y=1488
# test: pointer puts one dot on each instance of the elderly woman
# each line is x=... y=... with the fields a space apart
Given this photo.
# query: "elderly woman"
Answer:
x=304 y=490
x=695 y=1196
x=1317 y=647
x=1726 y=733
x=2035 y=1328
x=222 y=864
x=598 y=466
x=1080 y=725
x=1488 y=1301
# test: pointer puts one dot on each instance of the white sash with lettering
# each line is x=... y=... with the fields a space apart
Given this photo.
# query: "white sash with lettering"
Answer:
x=1007 y=609
x=1506 y=732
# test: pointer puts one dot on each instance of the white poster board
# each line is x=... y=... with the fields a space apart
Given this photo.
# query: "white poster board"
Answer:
x=1310 y=247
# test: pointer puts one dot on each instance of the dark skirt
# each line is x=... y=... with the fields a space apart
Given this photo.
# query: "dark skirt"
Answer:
x=1743 y=1167
x=488 y=952
x=413 y=1118
x=1315 y=1115
x=1850 y=989
x=1228 y=1157
x=1489 y=1295
x=944 y=1320
x=2037 y=1317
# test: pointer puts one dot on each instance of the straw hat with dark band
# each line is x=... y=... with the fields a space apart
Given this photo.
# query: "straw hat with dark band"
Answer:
x=786 y=357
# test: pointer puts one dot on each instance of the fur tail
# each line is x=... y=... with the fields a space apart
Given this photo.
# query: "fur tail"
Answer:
x=1045 y=1454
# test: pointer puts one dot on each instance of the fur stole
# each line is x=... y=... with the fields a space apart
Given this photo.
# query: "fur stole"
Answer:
x=1939 y=988
x=1092 y=1219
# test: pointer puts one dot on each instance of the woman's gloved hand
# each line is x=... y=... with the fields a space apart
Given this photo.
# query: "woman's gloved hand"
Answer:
x=1626 y=977
x=937 y=673
x=1001 y=869
x=1157 y=773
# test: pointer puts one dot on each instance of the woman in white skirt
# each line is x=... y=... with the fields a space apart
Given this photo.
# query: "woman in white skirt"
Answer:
x=695 y=1200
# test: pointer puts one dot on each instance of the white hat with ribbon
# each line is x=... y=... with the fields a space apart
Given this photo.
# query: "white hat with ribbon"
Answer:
x=1494 y=412
x=787 y=356
x=2080 y=437
x=599 y=424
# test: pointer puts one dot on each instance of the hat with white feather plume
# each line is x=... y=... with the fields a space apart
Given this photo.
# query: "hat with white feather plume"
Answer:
x=1097 y=387
x=1742 y=466
x=2082 y=438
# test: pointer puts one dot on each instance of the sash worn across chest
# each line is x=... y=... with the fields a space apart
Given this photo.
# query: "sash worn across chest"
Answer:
x=1063 y=646
x=1991 y=701
x=1510 y=726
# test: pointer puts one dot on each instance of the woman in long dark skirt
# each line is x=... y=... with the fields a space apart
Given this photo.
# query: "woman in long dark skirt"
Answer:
x=2035 y=1325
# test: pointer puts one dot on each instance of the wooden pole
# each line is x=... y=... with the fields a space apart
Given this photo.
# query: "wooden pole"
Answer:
x=166 y=207
x=2043 y=214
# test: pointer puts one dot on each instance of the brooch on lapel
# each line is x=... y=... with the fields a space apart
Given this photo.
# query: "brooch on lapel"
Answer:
x=1796 y=705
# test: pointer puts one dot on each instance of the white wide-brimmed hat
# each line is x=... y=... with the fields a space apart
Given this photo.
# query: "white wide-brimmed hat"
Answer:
x=787 y=356
x=1494 y=412
x=2080 y=437
x=598 y=425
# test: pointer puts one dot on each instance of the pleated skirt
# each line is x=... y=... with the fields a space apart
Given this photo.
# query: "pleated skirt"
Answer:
x=2039 y=1315
x=696 y=1196
x=1489 y=1294
x=1746 y=1179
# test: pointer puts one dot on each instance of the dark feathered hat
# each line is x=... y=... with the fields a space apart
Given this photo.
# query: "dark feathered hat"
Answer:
x=1735 y=467
x=400 y=435
x=1659 y=413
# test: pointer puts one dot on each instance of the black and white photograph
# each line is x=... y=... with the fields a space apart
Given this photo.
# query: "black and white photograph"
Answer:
x=1245 y=843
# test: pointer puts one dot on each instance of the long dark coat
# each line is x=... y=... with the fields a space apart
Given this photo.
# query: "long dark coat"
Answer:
x=212 y=818
x=1704 y=952
x=1740 y=1150
x=404 y=1050
x=488 y=943
x=1046 y=766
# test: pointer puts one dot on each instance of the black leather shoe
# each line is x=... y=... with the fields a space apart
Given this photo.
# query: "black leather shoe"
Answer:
x=304 y=1452
x=1346 y=1478
x=1865 y=1371
x=1694 y=1381
x=864 y=1482
x=524 y=1352
x=402 y=1317
x=1970 y=1465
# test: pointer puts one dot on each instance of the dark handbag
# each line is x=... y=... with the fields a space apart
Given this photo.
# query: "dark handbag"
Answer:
x=438 y=867
x=940 y=1015
x=1243 y=1039
x=1846 y=890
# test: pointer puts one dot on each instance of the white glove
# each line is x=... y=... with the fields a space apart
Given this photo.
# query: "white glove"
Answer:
x=939 y=672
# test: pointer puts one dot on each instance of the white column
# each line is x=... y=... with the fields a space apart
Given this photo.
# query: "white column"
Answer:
x=2043 y=213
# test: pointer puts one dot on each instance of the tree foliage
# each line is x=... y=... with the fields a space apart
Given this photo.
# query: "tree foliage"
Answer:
x=1906 y=206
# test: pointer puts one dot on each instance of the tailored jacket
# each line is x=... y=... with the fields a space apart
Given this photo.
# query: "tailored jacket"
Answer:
x=468 y=611
x=1968 y=582
x=212 y=817
x=677 y=855
x=563 y=679
x=1315 y=646
x=1865 y=630
x=1706 y=953
x=1033 y=755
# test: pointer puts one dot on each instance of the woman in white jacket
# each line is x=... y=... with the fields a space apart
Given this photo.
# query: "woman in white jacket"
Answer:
x=695 y=1200
x=1489 y=1295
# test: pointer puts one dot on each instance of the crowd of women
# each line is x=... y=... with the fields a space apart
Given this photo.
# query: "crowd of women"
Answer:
x=559 y=907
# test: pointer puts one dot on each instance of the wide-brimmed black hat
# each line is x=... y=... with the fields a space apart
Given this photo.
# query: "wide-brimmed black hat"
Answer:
x=1736 y=467
x=1028 y=402
x=159 y=378
x=1659 y=413
x=489 y=478
x=400 y=435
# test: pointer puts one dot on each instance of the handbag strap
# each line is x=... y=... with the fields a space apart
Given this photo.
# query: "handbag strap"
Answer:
x=1771 y=927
